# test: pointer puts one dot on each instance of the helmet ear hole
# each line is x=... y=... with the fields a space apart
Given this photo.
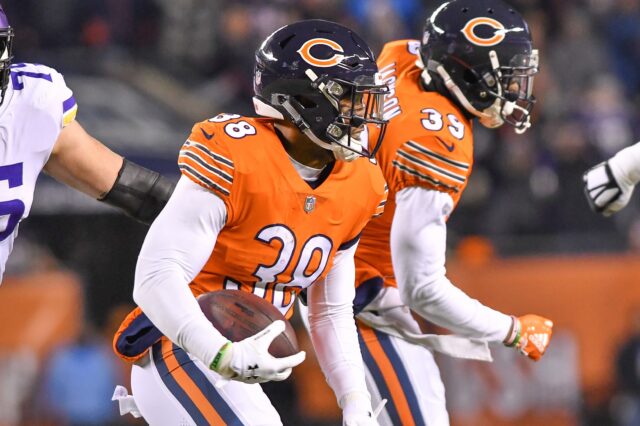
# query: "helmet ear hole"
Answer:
x=305 y=101
x=469 y=76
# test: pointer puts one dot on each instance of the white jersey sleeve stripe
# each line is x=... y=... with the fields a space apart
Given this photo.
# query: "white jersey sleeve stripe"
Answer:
x=424 y=177
x=201 y=161
x=425 y=151
x=215 y=157
x=430 y=166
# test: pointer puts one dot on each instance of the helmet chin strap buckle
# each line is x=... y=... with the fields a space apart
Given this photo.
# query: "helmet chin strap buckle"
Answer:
x=328 y=89
x=524 y=126
x=334 y=131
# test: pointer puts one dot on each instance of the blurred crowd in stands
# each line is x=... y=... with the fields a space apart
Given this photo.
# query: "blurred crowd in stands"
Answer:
x=588 y=89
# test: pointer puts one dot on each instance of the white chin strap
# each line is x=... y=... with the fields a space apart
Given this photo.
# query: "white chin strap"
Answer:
x=345 y=149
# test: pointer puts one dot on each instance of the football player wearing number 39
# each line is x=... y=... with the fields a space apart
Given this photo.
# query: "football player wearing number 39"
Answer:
x=272 y=206
x=475 y=61
x=38 y=131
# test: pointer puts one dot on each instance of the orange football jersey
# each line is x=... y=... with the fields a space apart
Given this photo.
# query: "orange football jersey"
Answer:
x=281 y=233
x=428 y=143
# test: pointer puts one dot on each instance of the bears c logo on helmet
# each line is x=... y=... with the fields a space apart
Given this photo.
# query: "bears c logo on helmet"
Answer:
x=499 y=32
x=305 y=52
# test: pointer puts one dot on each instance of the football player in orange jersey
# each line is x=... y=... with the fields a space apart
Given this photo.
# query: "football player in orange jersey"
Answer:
x=270 y=206
x=475 y=61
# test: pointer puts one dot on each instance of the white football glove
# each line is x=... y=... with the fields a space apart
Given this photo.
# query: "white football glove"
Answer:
x=606 y=188
x=356 y=410
x=249 y=360
x=609 y=185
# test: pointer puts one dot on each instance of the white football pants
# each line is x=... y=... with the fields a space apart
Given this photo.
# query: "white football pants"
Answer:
x=171 y=388
x=404 y=373
x=407 y=376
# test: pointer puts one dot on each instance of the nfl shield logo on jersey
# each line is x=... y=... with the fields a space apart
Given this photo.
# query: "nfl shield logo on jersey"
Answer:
x=309 y=203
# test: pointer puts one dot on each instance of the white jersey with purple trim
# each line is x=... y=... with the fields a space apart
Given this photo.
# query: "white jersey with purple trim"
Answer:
x=37 y=106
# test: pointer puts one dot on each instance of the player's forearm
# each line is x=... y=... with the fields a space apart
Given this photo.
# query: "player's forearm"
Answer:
x=82 y=162
x=442 y=303
x=418 y=247
x=335 y=341
x=164 y=296
x=175 y=250
x=626 y=164
x=333 y=331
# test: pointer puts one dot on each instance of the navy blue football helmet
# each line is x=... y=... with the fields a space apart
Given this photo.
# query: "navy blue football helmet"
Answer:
x=481 y=52
x=323 y=78
x=6 y=52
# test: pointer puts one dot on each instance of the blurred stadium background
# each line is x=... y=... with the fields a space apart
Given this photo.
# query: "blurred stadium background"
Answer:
x=144 y=70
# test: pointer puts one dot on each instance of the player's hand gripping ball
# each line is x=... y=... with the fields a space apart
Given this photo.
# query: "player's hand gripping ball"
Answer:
x=239 y=314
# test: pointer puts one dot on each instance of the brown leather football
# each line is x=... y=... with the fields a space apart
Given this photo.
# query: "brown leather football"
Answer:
x=240 y=314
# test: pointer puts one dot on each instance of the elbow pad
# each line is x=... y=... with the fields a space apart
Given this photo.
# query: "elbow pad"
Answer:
x=141 y=193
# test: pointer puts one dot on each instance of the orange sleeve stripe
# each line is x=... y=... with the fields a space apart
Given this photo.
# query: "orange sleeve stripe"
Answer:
x=202 y=180
x=413 y=173
x=189 y=387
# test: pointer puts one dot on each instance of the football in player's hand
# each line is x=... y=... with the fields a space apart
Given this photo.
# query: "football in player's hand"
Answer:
x=239 y=314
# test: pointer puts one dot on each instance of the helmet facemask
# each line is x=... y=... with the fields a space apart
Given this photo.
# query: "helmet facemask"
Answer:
x=503 y=93
x=357 y=103
x=334 y=113
x=6 y=56
x=514 y=91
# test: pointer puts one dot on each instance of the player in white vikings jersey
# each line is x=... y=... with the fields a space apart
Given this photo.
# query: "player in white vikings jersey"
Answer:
x=38 y=132
x=608 y=186
x=36 y=106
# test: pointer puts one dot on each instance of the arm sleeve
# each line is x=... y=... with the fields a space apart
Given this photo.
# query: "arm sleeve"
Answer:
x=176 y=248
x=626 y=164
x=333 y=329
x=418 y=245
